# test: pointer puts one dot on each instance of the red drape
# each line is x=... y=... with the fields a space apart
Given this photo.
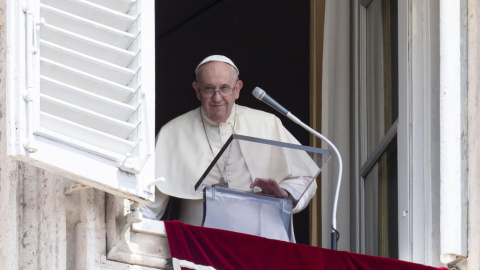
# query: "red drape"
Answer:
x=229 y=250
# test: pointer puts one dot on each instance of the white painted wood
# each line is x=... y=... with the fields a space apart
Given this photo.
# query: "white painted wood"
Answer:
x=87 y=28
x=85 y=81
x=94 y=12
x=90 y=169
x=14 y=71
x=30 y=93
x=417 y=125
x=423 y=128
x=88 y=156
x=453 y=78
x=87 y=100
x=84 y=138
x=146 y=91
x=426 y=248
x=87 y=46
x=404 y=131
x=86 y=118
x=123 y=6
x=94 y=129
x=86 y=63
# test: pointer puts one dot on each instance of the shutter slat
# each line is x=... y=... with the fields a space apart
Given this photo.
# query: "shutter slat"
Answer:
x=82 y=92
x=86 y=28
x=87 y=100
x=85 y=81
x=85 y=117
x=80 y=136
x=93 y=12
x=86 y=63
x=118 y=5
x=87 y=46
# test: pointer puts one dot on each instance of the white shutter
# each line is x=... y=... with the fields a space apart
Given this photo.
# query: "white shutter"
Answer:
x=91 y=110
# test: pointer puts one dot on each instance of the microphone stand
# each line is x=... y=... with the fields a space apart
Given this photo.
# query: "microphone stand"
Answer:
x=335 y=234
x=261 y=95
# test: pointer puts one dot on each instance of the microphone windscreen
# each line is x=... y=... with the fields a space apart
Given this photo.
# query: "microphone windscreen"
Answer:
x=258 y=93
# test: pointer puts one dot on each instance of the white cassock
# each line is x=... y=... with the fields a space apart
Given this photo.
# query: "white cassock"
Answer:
x=183 y=154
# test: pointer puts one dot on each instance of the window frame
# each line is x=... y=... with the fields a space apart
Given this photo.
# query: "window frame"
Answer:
x=365 y=161
x=417 y=129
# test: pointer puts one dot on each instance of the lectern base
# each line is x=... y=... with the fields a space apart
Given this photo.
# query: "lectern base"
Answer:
x=248 y=213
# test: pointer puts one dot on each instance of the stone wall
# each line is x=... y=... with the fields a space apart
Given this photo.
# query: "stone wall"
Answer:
x=8 y=184
x=52 y=230
x=473 y=135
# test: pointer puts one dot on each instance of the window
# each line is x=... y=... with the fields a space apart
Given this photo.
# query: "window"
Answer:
x=378 y=118
x=83 y=104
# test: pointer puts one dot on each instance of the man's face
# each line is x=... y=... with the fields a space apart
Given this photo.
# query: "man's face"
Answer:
x=217 y=75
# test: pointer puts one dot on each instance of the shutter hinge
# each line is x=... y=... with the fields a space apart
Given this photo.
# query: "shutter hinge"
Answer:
x=31 y=28
x=148 y=187
x=133 y=165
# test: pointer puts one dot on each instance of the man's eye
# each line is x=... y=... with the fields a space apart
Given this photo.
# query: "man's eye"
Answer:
x=209 y=89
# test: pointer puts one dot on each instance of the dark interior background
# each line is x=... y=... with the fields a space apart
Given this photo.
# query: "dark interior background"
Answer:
x=267 y=40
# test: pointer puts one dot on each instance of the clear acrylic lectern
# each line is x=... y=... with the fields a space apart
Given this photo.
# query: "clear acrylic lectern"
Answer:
x=230 y=204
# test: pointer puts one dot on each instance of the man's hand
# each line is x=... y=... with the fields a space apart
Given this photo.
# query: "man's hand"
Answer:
x=270 y=187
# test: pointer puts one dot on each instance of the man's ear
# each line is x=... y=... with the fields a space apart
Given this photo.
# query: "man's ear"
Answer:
x=239 y=87
x=197 y=91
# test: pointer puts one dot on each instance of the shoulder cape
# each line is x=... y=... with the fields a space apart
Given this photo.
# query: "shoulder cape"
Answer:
x=183 y=154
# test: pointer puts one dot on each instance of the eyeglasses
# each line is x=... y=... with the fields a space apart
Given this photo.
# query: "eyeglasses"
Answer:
x=224 y=91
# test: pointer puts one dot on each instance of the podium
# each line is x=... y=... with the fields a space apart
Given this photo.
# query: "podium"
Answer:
x=230 y=204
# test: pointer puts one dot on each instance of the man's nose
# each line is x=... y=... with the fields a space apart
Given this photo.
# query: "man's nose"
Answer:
x=217 y=96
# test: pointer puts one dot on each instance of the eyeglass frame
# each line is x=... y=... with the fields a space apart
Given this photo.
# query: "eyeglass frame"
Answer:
x=202 y=92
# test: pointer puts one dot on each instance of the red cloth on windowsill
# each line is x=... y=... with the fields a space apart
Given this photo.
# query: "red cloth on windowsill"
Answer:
x=230 y=250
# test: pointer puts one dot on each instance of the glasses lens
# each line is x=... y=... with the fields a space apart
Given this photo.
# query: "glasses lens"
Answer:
x=210 y=92
x=225 y=91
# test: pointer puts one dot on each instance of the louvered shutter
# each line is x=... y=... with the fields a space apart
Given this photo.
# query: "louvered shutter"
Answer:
x=92 y=116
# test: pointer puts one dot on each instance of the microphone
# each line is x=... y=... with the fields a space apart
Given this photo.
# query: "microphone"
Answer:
x=261 y=95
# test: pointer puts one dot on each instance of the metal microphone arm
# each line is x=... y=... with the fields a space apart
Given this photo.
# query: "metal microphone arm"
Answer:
x=262 y=95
